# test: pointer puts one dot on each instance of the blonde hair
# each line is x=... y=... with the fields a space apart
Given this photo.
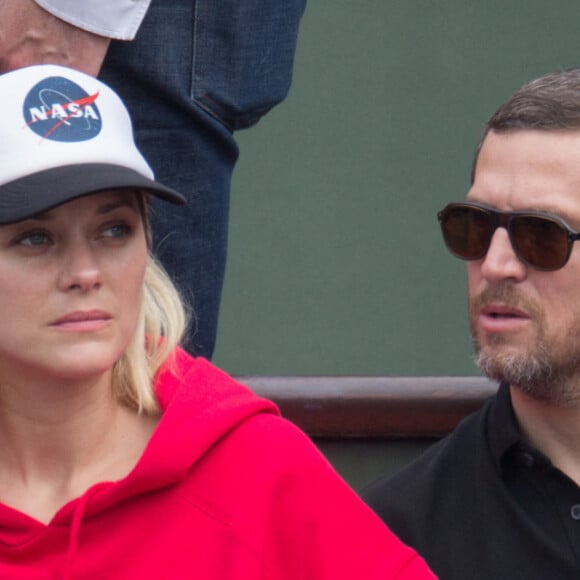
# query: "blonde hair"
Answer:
x=160 y=328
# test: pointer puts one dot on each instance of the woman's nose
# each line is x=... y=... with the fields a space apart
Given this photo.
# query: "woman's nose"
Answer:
x=80 y=268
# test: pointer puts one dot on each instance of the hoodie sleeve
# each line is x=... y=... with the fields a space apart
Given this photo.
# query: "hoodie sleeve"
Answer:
x=119 y=19
x=306 y=521
x=321 y=517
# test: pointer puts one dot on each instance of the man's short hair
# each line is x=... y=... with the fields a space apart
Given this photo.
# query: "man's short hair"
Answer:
x=548 y=103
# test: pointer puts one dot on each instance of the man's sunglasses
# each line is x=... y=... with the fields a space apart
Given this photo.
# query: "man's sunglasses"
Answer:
x=540 y=240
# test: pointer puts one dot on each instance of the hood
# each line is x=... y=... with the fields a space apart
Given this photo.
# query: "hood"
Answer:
x=200 y=406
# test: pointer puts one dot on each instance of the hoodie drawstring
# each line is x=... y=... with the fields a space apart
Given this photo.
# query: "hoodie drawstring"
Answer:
x=73 y=542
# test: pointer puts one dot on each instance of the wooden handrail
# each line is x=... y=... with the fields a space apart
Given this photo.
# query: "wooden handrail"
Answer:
x=374 y=407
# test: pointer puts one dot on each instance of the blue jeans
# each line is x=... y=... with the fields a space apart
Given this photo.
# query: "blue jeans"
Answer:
x=197 y=71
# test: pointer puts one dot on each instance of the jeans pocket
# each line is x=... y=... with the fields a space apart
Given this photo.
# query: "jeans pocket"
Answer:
x=243 y=57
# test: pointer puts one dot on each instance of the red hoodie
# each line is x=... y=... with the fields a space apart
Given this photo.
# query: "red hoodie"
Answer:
x=226 y=489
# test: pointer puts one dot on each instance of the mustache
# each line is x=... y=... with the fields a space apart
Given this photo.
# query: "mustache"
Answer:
x=504 y=293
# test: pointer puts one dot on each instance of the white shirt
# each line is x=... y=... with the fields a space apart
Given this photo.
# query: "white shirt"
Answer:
x=118 y=19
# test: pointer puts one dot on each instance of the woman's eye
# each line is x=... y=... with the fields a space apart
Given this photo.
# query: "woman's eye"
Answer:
x=33 y=239
x=117 y=231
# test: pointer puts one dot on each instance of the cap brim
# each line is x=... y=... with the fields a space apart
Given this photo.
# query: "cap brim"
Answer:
x=27 y=196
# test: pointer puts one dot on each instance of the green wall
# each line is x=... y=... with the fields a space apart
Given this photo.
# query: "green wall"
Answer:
x=336 y=265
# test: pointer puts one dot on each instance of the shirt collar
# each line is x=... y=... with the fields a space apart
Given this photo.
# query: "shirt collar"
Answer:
x=504 y=435
x=503 y=430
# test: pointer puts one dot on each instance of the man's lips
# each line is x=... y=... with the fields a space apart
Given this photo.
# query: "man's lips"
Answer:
x=503 y=311
x=502 y=318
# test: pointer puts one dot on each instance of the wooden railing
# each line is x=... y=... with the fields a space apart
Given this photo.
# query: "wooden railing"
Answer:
x=374 y=407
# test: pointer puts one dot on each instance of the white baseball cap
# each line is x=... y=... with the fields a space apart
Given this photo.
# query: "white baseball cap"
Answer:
x=64 y=134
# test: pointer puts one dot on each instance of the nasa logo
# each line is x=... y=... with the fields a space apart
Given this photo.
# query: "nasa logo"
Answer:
x=60 y=110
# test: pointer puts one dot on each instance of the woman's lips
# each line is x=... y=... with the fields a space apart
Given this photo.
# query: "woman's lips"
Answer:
x=83 y=321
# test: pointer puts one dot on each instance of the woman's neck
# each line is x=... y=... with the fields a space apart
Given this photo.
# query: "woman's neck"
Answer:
x=56 y=441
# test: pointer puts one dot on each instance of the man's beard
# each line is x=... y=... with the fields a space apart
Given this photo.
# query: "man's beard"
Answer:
x=546 y=370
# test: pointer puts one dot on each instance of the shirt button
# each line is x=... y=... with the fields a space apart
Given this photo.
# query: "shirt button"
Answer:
x=527 y=460
x=575 y=511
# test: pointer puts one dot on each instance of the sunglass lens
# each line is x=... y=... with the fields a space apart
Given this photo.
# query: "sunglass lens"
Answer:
x=539 y=241
x=467 y=231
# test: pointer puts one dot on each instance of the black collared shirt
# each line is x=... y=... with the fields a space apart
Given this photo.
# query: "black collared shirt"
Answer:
x=481 y=504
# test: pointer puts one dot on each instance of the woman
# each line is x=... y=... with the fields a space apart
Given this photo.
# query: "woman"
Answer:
x=120 y=455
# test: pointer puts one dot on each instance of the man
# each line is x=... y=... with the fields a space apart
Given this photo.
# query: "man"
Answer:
x=193 y=73
x=499 y=498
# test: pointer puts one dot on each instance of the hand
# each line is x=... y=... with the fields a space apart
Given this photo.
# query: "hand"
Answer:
x=31 y=35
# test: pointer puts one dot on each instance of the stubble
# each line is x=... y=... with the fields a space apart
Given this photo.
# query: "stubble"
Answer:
x=547 y=369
